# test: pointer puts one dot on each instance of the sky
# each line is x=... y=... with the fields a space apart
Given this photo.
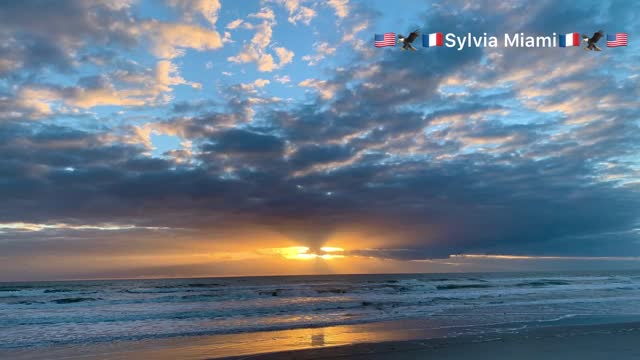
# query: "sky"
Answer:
x=182 y=138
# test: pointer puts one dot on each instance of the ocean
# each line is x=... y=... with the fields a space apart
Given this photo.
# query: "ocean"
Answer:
x=37 y=314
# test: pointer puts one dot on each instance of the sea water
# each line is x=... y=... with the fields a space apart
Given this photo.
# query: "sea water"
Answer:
x=86 y=312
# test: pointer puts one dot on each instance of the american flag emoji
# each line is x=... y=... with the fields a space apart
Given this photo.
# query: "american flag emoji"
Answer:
x=617 y=39
x=386 y=39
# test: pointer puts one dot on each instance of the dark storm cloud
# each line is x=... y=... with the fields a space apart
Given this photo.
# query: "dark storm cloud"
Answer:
x=241 y=141
x=315 y=154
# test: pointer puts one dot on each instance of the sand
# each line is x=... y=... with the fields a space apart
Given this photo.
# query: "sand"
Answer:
x=620 y=341
x=392 y=340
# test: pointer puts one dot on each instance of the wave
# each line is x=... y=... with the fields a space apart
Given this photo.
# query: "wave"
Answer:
x=167 y=289
x=27 y=302
x=199 y=297
x=201 y=285
x=151 y=308
x=270 y=292
x=73 y=300
x=544 y=282
x=331 y=291
x=10 y=289
x=157 y=290
x=462 y=286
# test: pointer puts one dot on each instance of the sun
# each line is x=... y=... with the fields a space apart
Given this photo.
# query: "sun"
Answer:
x=305 y=253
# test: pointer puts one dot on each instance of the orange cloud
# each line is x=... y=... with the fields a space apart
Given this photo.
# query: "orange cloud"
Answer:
x=341 y=7
x=150 y=89
x=169 y=40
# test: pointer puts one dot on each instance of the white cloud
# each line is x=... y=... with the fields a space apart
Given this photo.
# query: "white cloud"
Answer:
x=323 y=50
x=304 y=15
x=208 y=9
x=324 y=88
x=251 y=87
x=227 y=38
x=282 y=79
x=256 y=49
x=32 y=227
x=297 y=11
x=355 y=29
x=118 y=4
x=265 y=14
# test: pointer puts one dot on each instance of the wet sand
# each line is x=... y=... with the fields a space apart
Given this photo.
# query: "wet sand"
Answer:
x=619 y=341
x=385 y=340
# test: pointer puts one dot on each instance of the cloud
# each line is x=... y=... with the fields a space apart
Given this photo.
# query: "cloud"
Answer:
x=256 y=49
x=326 y=89
x=227 y=38
x=41 y=99
x=208 y=9
x=167 y=76
x=30 y=227
x=358 y=27
x=37 y=101
x=284 y=56
x=261 y=82
x=251 y=87
x=297 y=11
x=322 y=50
x=483 y=151
x=304 y=14
x=241 y=141
x=341 y=7
x=319 y=154
x=265 y=13
x=234 y=24
x=37 y=36
x=282 y=79
x=169 y=40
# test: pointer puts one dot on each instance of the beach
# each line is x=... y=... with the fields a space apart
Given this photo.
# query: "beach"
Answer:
x=603 y=341
x=619 y=341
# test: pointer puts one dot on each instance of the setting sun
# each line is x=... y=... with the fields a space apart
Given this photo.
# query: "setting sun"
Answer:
x=331 y=249
x=304 y=253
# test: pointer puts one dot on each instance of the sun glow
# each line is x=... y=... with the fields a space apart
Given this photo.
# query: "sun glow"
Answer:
x=303 y=253
x=331 y=249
